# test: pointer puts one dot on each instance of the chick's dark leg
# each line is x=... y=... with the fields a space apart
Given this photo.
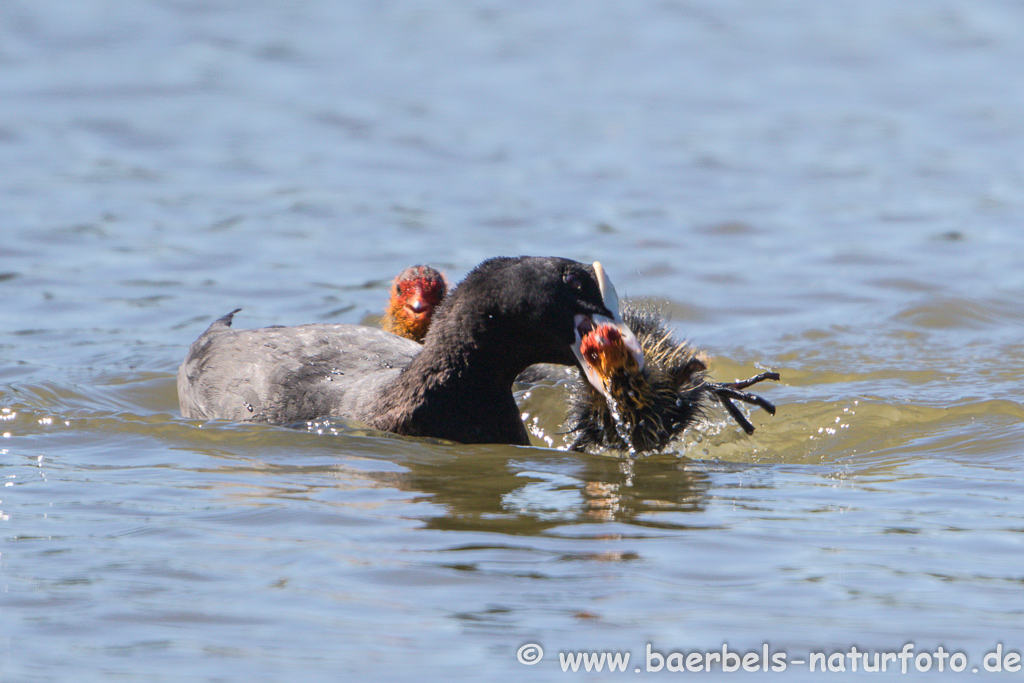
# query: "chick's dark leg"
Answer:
x=743 y=384
x=726 y=392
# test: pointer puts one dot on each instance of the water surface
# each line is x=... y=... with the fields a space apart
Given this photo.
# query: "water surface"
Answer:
x=830 y=190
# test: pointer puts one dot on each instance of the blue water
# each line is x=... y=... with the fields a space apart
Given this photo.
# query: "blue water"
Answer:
x=831 y=190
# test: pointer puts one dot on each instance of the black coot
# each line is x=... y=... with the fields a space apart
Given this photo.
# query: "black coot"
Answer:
x=508 y=314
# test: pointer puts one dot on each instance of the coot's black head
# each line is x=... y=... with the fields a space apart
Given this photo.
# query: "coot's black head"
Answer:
x=536 y=309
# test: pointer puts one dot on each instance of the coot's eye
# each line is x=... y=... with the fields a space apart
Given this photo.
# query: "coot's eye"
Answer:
x=573 y=281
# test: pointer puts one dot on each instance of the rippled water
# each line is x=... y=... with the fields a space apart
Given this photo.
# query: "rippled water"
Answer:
x=831 y=190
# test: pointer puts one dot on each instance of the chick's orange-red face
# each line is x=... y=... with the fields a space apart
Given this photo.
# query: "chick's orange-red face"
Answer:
x=606 y=351
x=414 y=296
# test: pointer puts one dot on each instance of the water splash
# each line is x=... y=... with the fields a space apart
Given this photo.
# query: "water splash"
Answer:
x=623 y=427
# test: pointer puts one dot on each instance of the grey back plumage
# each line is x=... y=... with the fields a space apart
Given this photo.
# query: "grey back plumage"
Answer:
x=283 y=375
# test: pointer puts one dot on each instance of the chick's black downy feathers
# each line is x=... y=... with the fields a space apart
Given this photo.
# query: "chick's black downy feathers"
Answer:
x=645 y=408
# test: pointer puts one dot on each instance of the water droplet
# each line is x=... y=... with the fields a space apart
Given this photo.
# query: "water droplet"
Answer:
x=622 y=426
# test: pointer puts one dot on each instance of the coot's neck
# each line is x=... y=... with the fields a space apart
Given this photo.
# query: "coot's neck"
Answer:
x=459 y=386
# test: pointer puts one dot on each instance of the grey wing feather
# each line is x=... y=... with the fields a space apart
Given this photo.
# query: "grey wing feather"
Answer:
x=288 y=374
